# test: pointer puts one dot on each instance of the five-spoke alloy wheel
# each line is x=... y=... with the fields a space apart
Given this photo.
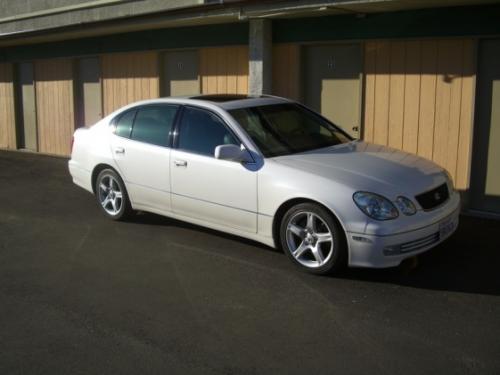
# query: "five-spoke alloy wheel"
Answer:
x=312 y=238
x=112 y=195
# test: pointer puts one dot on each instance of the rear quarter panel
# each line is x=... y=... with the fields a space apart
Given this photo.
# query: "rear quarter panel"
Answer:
x=90 y=148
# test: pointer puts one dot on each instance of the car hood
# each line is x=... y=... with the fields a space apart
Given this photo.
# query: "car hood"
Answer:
x=369 y=167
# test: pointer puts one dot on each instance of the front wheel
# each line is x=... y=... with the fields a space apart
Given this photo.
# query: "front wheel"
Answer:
x=112 y=195
x=313 y=239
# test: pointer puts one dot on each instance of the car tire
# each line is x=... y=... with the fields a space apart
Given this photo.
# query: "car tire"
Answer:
x=112 y=195
x=313 y=239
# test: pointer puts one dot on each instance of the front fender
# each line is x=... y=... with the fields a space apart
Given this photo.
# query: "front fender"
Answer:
x=278 y=184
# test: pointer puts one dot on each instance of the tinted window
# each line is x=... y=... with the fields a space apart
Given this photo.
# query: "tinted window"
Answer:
x=283 y=129
x=202 y=131
x=124 y=124
x=153 y=124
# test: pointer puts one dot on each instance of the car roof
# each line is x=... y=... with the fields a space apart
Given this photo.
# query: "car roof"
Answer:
x=223 y=101
x=235 y=101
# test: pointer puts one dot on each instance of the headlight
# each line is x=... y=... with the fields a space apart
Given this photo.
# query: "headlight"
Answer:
x=406 y=206
x=375 y=206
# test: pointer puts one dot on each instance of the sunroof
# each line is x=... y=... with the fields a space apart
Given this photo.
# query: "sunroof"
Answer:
x=221 y=97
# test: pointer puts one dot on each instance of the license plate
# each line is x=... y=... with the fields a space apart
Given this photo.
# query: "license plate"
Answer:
x=446 y=227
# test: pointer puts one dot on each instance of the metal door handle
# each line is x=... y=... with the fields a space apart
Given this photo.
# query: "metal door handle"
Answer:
x=119 y=150
x=180 y=163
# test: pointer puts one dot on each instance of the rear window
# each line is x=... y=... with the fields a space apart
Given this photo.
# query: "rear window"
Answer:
x=153 y=124
x=123 y=125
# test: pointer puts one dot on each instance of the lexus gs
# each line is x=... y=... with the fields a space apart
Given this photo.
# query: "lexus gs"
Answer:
x=271 y=170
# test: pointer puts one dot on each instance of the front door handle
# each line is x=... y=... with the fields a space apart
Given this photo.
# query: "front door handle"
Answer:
x=119 y=150
x=180 y=163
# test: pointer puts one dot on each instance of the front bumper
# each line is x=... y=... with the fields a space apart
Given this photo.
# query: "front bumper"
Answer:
x=374 y=251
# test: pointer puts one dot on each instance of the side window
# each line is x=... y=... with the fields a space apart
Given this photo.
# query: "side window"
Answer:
x=153 y=124
x=123 y=125
x=201 y=131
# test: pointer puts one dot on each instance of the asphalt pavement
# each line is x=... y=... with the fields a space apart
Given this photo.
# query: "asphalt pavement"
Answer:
x=80 y=294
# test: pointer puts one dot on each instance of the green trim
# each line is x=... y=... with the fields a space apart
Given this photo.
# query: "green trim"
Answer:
x=182 y=37
x=437 y=22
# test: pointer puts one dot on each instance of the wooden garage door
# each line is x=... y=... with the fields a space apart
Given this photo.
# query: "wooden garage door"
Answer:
x=54 y=105
x=419 y=98
x=224 y=70
x=129 y=77
x=286 y=70
x=7 y=118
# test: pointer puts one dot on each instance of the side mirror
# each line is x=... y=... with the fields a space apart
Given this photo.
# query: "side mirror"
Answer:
x=233 y=153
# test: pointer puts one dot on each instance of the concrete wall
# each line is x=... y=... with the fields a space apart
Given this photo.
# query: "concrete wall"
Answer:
x=17 y=16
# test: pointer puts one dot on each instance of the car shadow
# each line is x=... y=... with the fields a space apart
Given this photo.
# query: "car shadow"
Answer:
x=153 y=219
x=467 y=262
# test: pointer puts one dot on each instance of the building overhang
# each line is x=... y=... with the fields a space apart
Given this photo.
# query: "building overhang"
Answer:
x=199 y=12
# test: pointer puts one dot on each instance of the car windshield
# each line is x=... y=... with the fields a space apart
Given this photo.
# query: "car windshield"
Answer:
x=284 y=129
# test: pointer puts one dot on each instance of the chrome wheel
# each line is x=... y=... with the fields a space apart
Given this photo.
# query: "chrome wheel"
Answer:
x=110 y=195
x=309 y=239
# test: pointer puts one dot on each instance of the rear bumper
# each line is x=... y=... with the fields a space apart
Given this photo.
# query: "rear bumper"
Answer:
x=390 y=250
x=80 y=176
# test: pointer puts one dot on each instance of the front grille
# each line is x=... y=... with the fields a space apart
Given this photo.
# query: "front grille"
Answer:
x=433 y=198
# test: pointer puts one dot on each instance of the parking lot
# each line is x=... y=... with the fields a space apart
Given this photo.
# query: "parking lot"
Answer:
x=80 y=294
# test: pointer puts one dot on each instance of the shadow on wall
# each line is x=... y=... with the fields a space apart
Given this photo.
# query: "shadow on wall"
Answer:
x=446 y=57
x=53 y=70
x=133 y=65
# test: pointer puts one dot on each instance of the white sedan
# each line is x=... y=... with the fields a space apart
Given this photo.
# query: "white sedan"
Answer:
x=270 y=170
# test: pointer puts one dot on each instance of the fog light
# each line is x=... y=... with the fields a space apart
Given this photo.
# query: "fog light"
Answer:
x=392 y=250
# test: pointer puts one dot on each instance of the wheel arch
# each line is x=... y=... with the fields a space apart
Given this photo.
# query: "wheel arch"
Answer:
x=285 y=206
x=97 y=169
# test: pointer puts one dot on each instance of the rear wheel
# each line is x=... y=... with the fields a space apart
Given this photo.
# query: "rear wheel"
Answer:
x=112 y=195
x=313 y=239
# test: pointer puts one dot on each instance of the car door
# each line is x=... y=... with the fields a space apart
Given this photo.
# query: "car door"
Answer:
x=141 y=148
x=205 y=188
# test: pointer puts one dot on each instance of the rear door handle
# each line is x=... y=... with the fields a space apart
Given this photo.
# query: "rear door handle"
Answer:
x=119 y=150
x=180 y=163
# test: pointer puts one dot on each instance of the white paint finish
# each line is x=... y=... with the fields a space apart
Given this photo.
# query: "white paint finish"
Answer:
x=370 y=254
x=145 y=169
x=218 y=191
x=243 y=200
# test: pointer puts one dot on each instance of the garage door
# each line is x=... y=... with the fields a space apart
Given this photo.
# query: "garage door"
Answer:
x=419 y=98
x=180 y=73
x=7 y=118
x=485 y=181
x=54 y=105
x=224 y=70
x=129 y=77
x=332 y=83
x=88 y=88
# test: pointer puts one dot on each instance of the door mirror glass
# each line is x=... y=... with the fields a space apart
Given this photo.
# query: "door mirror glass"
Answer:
x=232 y=153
